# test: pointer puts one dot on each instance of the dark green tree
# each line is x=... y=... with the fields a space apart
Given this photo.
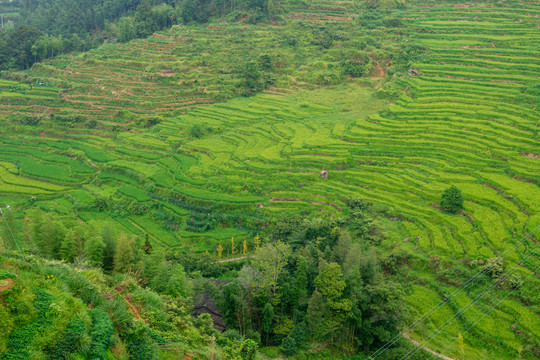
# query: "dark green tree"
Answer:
x=147 y=246
x=93 y=249
x=144 y=20
x=452 y=200
x=234 y=305
x=126 y=29
x=197 y=10
x=108 y=236
x=267 y=319
x=288 y=346
x=68 y=249
x=300 y=280
x=20 y=43
x=125 y=253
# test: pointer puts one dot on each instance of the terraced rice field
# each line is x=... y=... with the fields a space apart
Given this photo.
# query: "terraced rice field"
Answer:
x=92 y=136
x=469 y=119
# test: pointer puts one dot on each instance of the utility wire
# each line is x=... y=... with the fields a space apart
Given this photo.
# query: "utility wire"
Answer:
x=457 y=291
x=464 y=309
x=29 y=238
x=490 y=310
x=9 y=228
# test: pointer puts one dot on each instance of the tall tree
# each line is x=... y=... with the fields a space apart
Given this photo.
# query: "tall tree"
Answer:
x=68 y=249
x=234 y=305
x=177 y=284
x=20 y=43
x=328 y=309
x=126 y=29
x=145 y=23
x=108 y=236
x=300 y=280
x=267 y=319
x=125 y=253
x=270 y=261
x=93 y=248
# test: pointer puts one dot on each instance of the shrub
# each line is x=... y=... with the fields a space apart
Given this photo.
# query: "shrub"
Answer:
x=513 y=282
x=253 y=335
x=6 y=324
x=140 y=344
x=288 y=346
x=196 y=131
x=494 y=267
x=101 y=333
x=232 y=334
x=248 y=350
x=70 y=342
x=452 y=200
x=6 y=274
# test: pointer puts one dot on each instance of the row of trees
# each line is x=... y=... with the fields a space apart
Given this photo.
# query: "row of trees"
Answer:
x=65 y=17
x=103 y=246
x=68 y=240
x=49 y=28
x=25 y=45
x=62 y=26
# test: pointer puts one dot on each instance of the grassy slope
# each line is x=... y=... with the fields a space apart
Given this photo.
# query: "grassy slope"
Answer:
x=46 y=299
x=459 y=122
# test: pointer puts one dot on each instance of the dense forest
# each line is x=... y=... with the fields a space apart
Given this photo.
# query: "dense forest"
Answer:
x=47 y=28
x=309 y=280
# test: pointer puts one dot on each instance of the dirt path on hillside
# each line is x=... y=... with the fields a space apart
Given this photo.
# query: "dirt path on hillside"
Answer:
x=235 y=259
x=416 y=343
x=131 y=307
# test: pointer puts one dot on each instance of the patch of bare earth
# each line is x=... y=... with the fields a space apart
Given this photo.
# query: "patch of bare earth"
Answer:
x=6 y=284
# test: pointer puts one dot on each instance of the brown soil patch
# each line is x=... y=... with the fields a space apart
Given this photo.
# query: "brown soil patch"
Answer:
x=349 y=141
x=284 y=199
x=530 y=155
x=6 y=284
x=242 y=19
x=167 y=73
x=379 y=72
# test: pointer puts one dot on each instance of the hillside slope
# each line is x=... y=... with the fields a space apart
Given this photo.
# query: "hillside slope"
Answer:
x=52 y=310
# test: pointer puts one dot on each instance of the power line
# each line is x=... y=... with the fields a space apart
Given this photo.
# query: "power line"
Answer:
x=9 y=208
x=9 y=228
x=457 y=291
x=464 y=309
x=29 y=238
x=490 y=310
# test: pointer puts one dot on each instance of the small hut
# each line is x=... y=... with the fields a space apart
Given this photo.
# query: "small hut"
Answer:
x=324 y=174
